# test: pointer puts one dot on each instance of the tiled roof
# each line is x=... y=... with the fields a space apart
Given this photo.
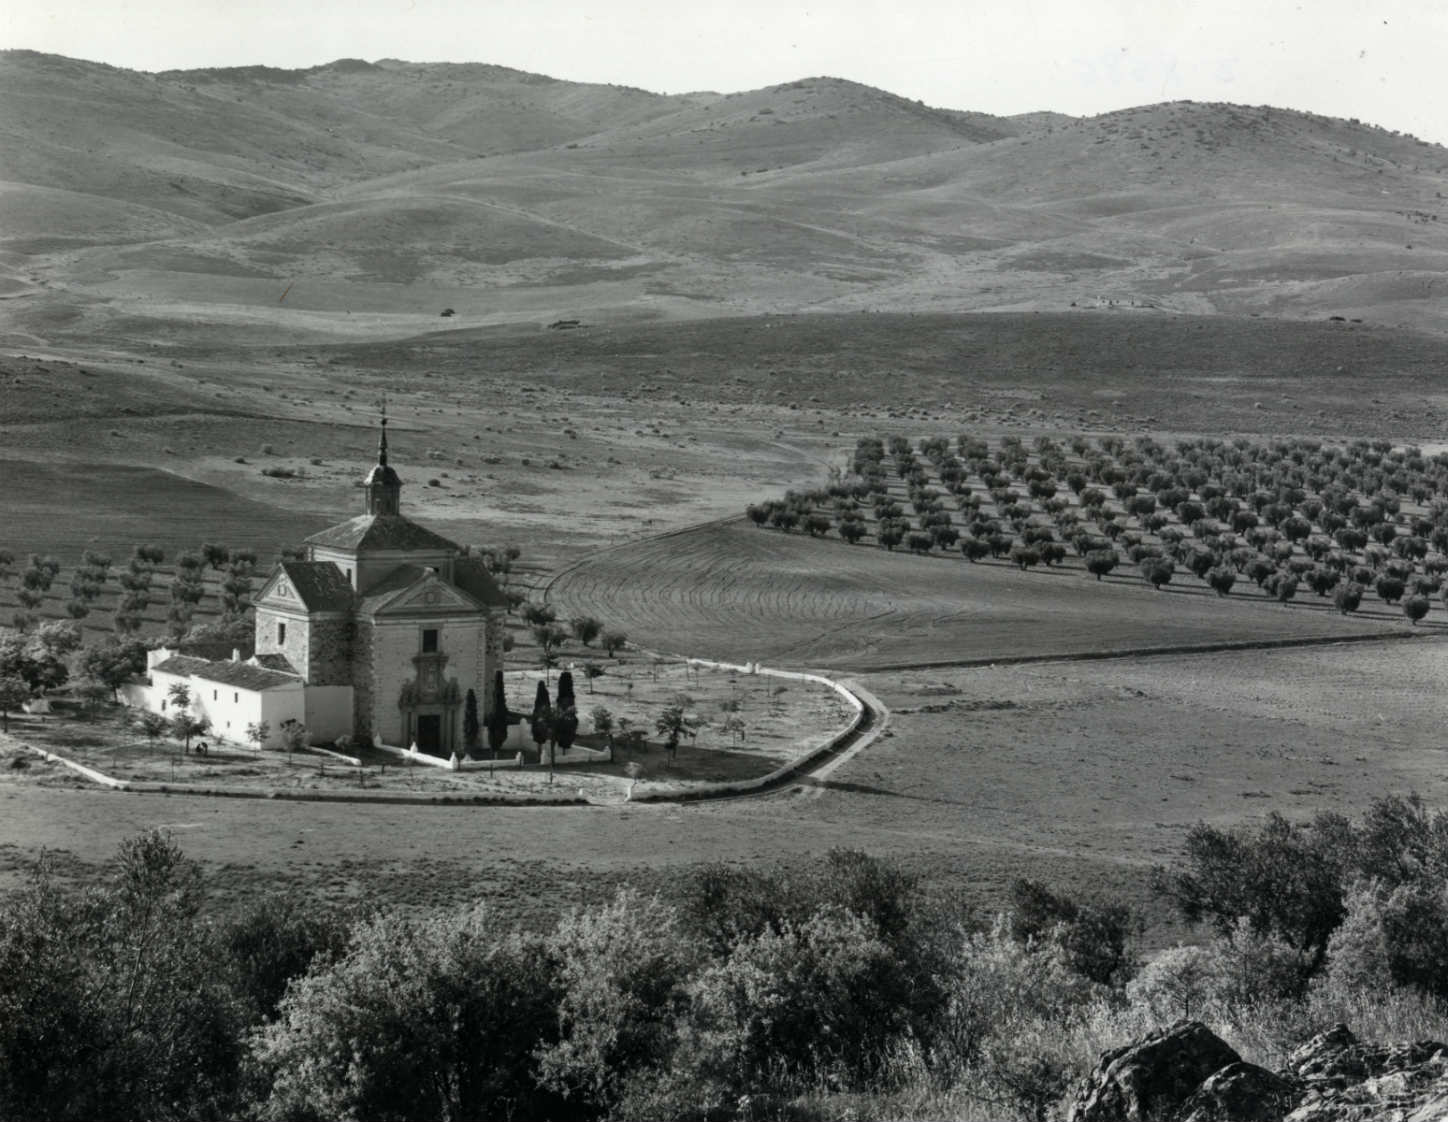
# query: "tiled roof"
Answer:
x=322 y=586
x=404 y=576
x=381 y=532
x=275 y=660
x=472 y=576
x=182 y=665
x=239 y=674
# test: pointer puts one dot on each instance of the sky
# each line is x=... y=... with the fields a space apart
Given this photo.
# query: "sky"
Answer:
x=1382 y=61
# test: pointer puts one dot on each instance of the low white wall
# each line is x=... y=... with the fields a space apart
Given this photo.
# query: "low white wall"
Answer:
x=320 y=751
x=578 y=754
x=328 y=712
x=415 y=757
x=89 y=772
x=278 y=707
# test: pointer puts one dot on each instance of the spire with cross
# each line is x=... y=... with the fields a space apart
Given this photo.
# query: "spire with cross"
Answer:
x=383 y=487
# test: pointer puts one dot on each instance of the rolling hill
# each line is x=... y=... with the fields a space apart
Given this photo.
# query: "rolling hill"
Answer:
x=360 y=199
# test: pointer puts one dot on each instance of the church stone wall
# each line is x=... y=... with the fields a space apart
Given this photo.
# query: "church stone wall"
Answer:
x=364 y=690
x=329 y=652
x=296 y=646
x=464 y=642
x=393 y=646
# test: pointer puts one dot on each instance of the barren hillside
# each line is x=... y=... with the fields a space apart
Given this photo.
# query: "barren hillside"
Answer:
x=360 y=200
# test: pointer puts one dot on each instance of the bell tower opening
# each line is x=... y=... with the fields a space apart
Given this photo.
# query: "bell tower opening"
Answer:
x=382 y=486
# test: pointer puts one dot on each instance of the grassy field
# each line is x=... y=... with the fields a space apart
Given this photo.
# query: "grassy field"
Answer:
x=735 y=591
x=1080 y=774
x=780 y=722
x=659 y=427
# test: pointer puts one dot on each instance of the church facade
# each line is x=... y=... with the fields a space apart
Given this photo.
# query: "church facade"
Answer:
x=385 y=625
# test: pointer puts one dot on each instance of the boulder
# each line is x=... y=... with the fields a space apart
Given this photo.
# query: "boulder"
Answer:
x=1187 y=1074
x=1152 y=1078
x=1346 y=1080
x=1240 y=1092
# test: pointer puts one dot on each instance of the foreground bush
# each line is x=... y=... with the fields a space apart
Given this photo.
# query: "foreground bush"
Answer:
x=430 y=1018
x=110 y=1005
x=834 y=988
x=621 y=975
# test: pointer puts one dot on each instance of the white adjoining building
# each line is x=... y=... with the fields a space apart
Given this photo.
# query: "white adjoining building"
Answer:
x=378 y=635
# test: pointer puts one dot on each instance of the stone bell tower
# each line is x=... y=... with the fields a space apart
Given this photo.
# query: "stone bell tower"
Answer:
x=382 y=486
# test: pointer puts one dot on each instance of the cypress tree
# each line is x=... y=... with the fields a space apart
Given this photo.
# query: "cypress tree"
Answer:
x=565 y=727
x=470 y=722
x=542 y=720
x=498 y=715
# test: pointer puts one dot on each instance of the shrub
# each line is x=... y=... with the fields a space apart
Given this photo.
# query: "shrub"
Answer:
x=1349 y=597
x=1255 y=967
x=1025 y=556
x=1157 y=571
x=818 y=994
x=471 y=1001
x=97 y=990
x=974 y=549
x=1415 y=608
x=1323 y=580
x=1094 y=939
x=622 y=973
x=1099 y=562
x=1260 y=570
x=1390 y=589
x=783 y=518
x=585 y=628
x=1392 y=936
x=1284 y=879
x=1222 y=578
x=1004 y=1024
x=1176 y=983
x=272 y=942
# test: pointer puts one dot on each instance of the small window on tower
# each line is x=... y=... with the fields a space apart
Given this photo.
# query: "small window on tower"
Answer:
x=429 y=640
x=281 y=633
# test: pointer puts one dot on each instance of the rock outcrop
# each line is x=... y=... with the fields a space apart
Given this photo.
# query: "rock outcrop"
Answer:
x=1346 y=1080
x=1186 y=1073
x=1151 y=1078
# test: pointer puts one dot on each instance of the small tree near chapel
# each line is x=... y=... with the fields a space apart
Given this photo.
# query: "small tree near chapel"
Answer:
x=471 y=725
x=497 y=715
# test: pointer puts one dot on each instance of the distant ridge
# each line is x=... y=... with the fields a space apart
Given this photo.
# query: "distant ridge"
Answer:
x=387 y=190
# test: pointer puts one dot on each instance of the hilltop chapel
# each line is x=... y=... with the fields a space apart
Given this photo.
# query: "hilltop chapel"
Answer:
x=377 y=635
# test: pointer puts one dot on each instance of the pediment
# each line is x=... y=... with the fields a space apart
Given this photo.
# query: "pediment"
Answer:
x=279 y=590
x=429 y=595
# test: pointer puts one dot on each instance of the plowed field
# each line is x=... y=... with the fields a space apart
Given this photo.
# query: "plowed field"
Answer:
x=731 y=590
